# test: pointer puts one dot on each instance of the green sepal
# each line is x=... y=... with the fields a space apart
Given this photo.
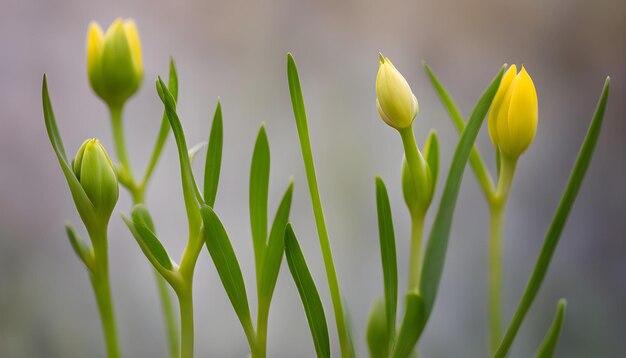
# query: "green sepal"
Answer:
x=378 y=340
x=547 y=347
x=225 y=261
x=311 y=301
x=410 y=329
x=259 y=185
x=388 y=255
x=81 y=248
x=145 y=228
x=213 y=160
x=273 y=255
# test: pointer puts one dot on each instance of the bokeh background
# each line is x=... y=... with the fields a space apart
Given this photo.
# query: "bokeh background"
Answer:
x=236 y=50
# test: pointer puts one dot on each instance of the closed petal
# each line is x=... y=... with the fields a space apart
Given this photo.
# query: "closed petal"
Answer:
x=523 y=112
x=508 y=77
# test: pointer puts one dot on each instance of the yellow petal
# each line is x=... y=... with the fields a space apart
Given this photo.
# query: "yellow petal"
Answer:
x=523 y=112
x=135 y=44
x=508 y=77
x=95 y=43
x=502 y=122
x=115 y=26
x=395 y=98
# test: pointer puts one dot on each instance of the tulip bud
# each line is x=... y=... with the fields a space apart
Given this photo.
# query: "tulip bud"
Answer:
x=396 y=104
x=95 y=173
x=114 y=65
x=513 y=113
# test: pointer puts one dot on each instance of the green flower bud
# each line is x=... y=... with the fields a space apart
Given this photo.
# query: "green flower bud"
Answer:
x=114 y=65
x=418 y=196
x=396 y=104
x=95 y=173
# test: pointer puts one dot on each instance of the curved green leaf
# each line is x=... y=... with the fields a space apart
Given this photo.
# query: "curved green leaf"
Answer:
x=84 y=206
x=410 y=329
x=213 y=162
x=276 y=246
x=145 y=228
x=190 y=189
x=308 y=294
x=435 y=254
x=388 y=255
x=476 y=161
x=558 y=222
x=259 y=183
x=546 y=350
x=81 y=248
x=227 y=266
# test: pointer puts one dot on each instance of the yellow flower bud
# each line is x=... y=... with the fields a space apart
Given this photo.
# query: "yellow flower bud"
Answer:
x=395 y=101
x=114 y=64
x=514 y=112
x=95 y=173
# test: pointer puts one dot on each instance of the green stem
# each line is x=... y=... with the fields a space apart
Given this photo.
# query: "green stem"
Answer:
x=329 y=265
x=418 y=168
x=102 y=290
x=185 y=299
x=415 y=258
x=168 y=314
x=260 y=349
x=496 y=233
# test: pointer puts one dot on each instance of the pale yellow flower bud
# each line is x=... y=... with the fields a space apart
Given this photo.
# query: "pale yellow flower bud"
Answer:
x=114 y=63
x=514 y=113
x=395 y=101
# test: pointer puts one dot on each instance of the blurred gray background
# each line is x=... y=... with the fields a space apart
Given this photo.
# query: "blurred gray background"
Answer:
x=236 y=50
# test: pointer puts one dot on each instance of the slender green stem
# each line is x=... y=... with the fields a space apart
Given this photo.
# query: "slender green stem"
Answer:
x=418 y=168
x=260 y=350
x=496 y=232
x=102 y=290
x=415 y=257
x=335 y=294
x=137 y=191
x=495 y=277
x=168 y=314
x=185 y=300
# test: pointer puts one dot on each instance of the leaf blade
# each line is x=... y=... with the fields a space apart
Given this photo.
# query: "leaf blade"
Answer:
x=311 y=301
x=409 y=329
x=145 y=228
x=213 y=161
x=259 y=187
x=546 y=350
x=276 y=246
x=225 y=261
x=388 y=255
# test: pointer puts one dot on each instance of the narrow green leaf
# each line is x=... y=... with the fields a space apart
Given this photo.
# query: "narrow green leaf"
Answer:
x=213 y=162
x=172 y=84
x=276 y=246
x=558 y=222
x=476 y=161
x=410 y=329
x=145 y=228
x=388 y=255
x=546 y=350
x=259 y=183
x=190 y=189
x=308 y=294
x=437 y=245
x=83 y=204
x=81 y=248
x=431 y=153
x=378 y=340
x=227 y=266
x=299 y=112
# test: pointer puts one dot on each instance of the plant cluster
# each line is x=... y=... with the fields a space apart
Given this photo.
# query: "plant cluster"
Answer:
x=115 y=72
